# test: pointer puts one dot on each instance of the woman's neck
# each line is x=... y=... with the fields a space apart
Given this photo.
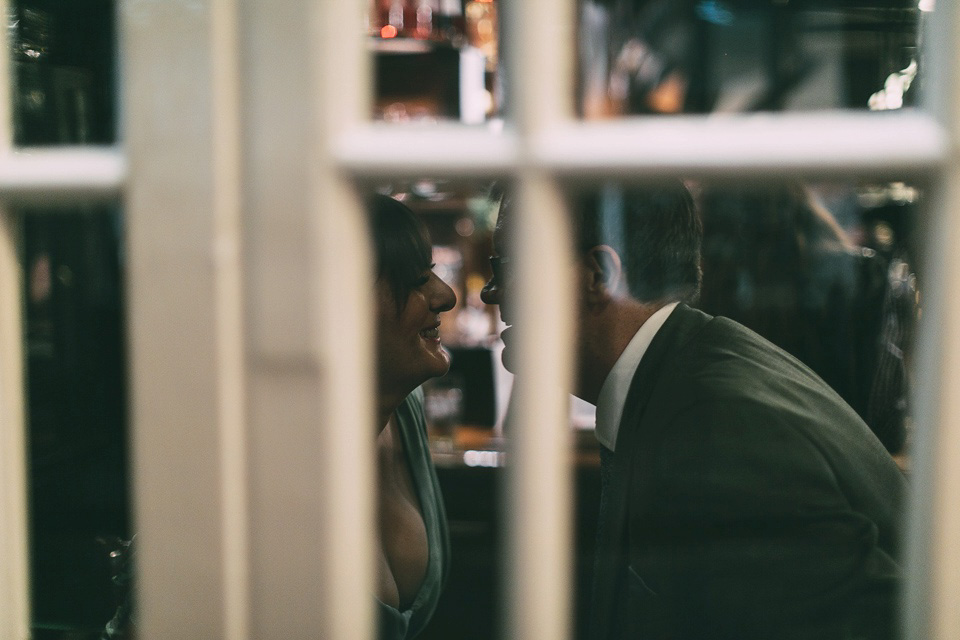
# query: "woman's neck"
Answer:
x=387 y=403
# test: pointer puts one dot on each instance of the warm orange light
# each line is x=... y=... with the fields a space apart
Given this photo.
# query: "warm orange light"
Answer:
x=388 y=31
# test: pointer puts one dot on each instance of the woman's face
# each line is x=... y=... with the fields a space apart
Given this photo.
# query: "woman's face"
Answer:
x=408 y=340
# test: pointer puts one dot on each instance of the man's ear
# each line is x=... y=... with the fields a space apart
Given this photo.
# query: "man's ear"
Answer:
x=604 y=274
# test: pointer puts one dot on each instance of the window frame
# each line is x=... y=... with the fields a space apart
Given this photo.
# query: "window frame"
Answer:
x=249 y=376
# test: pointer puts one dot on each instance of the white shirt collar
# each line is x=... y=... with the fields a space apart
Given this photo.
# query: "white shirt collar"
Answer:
x=613 y=393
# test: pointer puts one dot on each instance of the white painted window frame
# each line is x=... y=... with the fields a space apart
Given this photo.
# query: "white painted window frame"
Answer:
x=249 y=306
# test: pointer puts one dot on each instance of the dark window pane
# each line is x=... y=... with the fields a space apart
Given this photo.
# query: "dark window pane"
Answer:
x=63 y=57
x=436 y=60
x=703 y=56
x=463 y=409
x=828 y=273
x=77 y=400
x=825 y=271
x=737 y=472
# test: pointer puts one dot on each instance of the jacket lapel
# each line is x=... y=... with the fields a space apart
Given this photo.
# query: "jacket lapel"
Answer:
x=612 y=550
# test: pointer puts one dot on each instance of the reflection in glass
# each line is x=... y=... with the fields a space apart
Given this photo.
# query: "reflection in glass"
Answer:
x=703 y=56
x=63 y=67
x=435 y=60
x=463 y=408
x=836 y=290
x=63 y=61
x=76 y=386
x=736 y=482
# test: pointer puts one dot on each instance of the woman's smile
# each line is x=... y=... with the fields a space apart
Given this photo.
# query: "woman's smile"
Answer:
x=409 y=334
x=432 y=333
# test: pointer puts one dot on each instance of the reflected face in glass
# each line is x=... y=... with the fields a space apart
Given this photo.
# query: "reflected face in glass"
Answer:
x=408 y=335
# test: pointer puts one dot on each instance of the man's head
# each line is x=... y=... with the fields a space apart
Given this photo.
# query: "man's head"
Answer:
x=654 y=230
x=638 y=248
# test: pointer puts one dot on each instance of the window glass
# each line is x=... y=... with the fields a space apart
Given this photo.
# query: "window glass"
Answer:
x=463 y=408
x=436 y=60
x=827 y=272
x=767 y=413
x=63 y=62
x=823 y=274
x=76 y=415
x=707 y=56
x=63 y=65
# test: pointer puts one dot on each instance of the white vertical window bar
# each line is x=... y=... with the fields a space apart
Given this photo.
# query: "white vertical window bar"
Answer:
x=14 y=579
x=228 y=309
x=184 y=310
x=15 y=612
x=539 y=50
x=933 y=586
x=945 y=459
x=345 y=340
x=308 y=290
x=932 y=581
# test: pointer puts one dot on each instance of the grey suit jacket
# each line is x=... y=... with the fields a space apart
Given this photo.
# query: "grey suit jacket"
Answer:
x=747 y=499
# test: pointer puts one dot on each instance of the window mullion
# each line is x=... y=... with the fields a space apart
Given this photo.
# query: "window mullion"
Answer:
x=15 y=612
x=307 y=286
x=539 y=49
x=933 y=551
x=389 y=151
x=934 y=558
x=14 y=558
x=182 y=271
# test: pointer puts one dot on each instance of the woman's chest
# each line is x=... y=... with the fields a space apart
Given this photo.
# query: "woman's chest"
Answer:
x=403 y=532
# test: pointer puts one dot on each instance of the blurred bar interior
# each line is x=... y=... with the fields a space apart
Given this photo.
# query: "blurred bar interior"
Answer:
x=830 y=271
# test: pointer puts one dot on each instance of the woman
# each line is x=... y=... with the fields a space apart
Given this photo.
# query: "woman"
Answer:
x=414 y=547
x=413 y=543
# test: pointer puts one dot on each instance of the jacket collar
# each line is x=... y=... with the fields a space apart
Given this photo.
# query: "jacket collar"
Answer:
x=612 y=552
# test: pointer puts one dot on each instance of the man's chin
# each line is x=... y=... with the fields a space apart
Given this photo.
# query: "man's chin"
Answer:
x=507 y=356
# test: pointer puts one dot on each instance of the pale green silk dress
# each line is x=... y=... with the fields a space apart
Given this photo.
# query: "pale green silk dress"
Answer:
x=404 y=625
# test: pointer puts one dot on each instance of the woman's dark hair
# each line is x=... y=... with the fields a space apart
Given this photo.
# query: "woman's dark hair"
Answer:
x=402 y=245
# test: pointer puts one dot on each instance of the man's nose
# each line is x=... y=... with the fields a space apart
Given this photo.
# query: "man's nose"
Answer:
x=490 y=294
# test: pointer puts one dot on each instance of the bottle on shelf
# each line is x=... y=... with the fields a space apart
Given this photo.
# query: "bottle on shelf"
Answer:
x=424 y=17
x=448 y=24
x=440 y=21
x=482 y=29
x=388 y=18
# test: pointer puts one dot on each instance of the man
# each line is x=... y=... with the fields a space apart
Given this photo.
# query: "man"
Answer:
x=742 y=498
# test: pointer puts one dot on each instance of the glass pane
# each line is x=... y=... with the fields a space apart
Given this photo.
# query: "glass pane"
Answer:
x=828 y=273
x=706 y=56
x=749 y=435
x=64 y=62
x=77 y=405
x=822 y=282
x=436 y=60
x=462 y=408
x=63 y=66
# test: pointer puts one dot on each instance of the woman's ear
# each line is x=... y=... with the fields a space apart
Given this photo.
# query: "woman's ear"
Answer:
x=604 y=273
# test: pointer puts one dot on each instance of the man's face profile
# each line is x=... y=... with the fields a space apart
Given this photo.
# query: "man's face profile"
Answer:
x=496 y=291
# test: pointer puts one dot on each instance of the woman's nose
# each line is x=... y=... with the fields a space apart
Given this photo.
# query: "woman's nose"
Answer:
x=444 y=298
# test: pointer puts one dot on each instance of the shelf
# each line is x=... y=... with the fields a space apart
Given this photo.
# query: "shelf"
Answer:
x=406 y=45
